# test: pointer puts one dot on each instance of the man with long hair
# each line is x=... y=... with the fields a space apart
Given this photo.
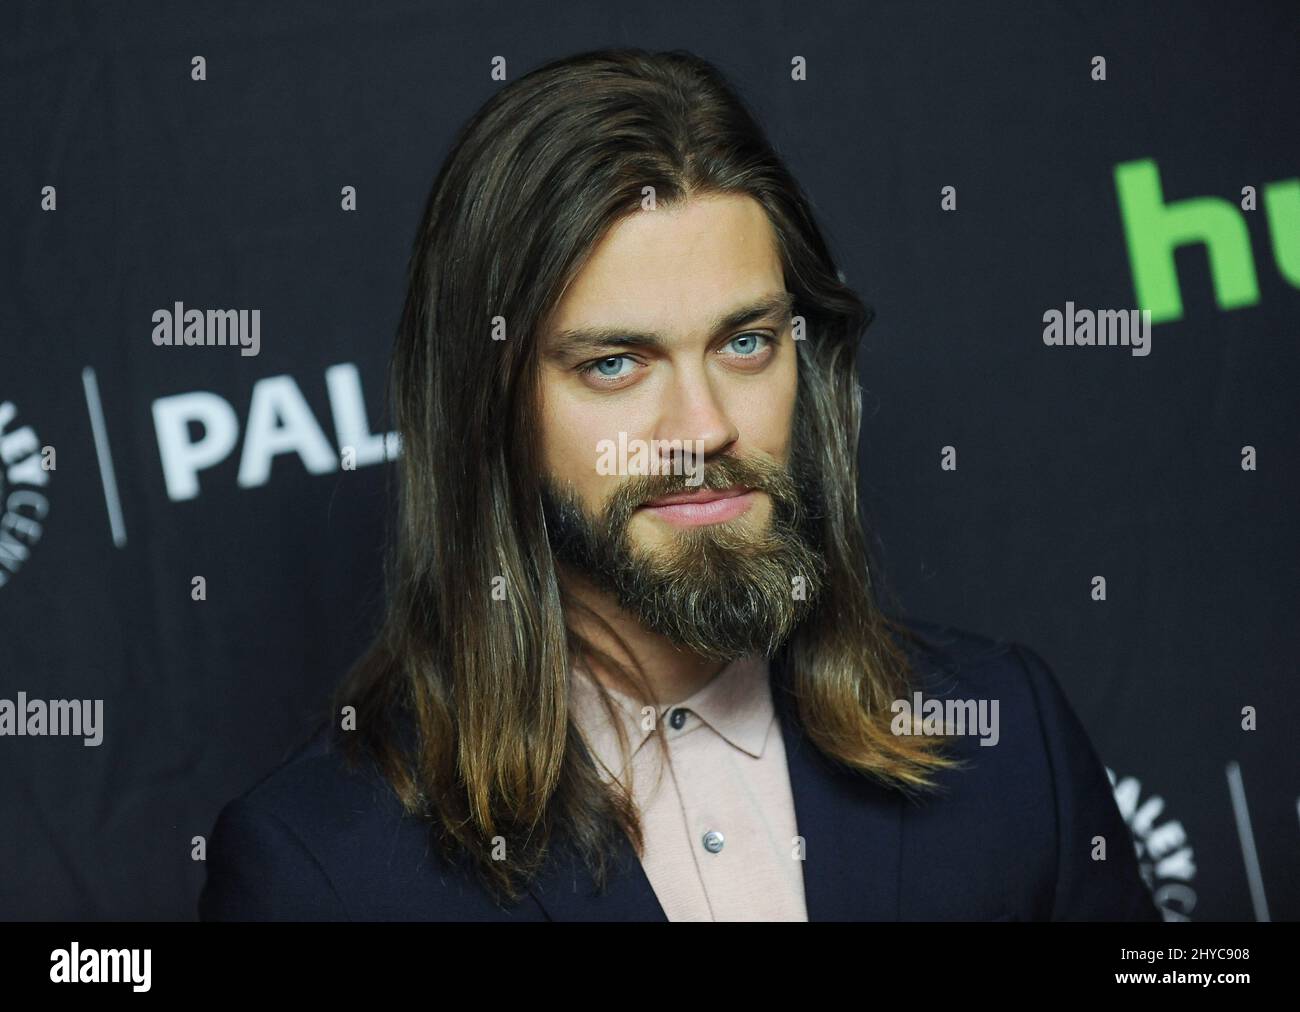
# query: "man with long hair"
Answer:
x=635 y=664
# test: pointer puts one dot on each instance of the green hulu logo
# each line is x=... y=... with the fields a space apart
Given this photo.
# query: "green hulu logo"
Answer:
x=1154 y=229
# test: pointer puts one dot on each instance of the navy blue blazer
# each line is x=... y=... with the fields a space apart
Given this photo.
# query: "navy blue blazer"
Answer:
x=1010 y=838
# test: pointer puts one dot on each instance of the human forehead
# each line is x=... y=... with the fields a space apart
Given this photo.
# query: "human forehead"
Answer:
x=675 y=270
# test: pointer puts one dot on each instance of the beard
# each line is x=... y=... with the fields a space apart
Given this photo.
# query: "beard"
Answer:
x=720 y=590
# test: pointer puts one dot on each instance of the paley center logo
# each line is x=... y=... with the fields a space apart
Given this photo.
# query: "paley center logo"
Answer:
x=25 y=467
x=199 y=429
x=1165 y=858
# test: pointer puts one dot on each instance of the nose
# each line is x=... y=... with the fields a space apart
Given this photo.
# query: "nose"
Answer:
x=693 y=418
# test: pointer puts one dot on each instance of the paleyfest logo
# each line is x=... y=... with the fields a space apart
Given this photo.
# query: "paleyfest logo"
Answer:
x=25 y=468
x=1165 y=858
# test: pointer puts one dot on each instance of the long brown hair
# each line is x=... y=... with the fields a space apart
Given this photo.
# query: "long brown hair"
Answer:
x=462 y=700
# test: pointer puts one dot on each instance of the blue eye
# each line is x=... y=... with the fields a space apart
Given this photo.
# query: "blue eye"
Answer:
x=598 y=367
x=748 y=344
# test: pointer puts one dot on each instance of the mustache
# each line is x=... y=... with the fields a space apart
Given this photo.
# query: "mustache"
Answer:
x=722 y=474
x=755 y=473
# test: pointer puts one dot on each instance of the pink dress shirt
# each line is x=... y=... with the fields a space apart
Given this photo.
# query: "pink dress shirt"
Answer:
x=721 y=842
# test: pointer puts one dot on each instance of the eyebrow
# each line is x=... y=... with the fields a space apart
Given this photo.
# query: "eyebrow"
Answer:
x=568 y=344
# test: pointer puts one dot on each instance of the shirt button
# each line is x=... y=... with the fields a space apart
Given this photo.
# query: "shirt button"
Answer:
x=713 y=841
x=677 y=718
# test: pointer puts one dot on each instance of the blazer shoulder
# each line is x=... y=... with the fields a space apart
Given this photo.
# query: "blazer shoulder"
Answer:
x=1098 y=875
x=316 y=778
x=272 y=854
x=1045 y=775
x=946 y=659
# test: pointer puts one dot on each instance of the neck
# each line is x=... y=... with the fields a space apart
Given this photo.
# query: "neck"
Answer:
x=673 y=673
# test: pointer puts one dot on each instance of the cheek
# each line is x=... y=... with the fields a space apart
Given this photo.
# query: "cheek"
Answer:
x=573 y=430
x=772 y=411
x=568 y=455
x=550 y=436
x=561 y=439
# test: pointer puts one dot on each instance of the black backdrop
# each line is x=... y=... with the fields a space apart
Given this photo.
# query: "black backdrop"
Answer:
x=1072 y=462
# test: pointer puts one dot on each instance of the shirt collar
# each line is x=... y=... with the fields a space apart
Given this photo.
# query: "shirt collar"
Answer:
x=735 y=704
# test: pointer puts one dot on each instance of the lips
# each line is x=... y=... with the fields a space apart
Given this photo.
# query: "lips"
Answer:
x=702 y=496
x=707 y=506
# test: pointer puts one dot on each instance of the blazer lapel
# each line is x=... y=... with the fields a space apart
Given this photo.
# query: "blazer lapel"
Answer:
x=566 y=891
x=851 y=827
